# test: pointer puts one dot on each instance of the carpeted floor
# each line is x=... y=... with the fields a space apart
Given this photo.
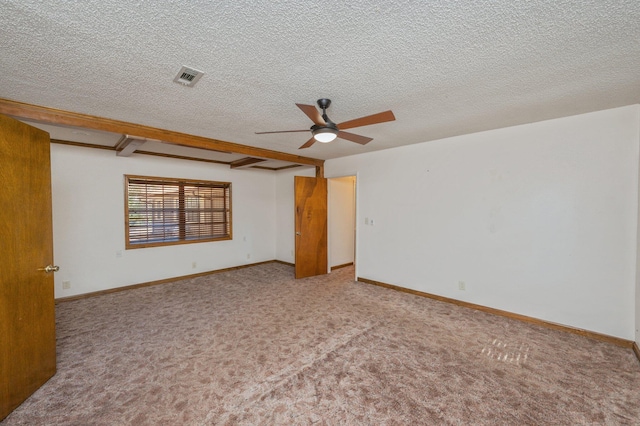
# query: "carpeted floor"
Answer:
x=255 y=346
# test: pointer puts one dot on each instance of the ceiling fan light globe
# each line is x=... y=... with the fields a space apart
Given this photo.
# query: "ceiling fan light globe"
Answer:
x=325 y=137
x=324 y=134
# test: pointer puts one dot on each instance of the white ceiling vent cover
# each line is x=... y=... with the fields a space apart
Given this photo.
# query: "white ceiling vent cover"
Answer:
x=188 y=76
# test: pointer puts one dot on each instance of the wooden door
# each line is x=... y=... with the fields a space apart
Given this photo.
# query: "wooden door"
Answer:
x=311 y=226
x=27 y=320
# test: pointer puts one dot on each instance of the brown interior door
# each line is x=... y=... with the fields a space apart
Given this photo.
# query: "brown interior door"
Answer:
x=27 y=319
x=311 y=226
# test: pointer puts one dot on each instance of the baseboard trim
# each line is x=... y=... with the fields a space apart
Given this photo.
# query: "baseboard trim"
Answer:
x=586 y=333
x=344 y=265
x=156 y=282
x=332 y=268
x=636 y=350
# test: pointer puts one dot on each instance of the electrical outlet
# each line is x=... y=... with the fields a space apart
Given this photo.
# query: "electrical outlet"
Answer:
x=118 y=253
x=66 y=285
x=366 y=220
x=248 y=256
x=462 y=286
x=193 y=265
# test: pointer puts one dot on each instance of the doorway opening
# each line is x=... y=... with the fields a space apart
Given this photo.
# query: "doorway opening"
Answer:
x=342 y=222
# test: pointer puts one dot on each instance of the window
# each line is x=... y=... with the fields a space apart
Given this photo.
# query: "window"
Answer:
x=164 y=211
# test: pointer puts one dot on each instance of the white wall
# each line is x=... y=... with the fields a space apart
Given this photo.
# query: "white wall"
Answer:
x=285 y=211
x=637 y=334
x=88 y=220
x=538 y=219
x=341 y=220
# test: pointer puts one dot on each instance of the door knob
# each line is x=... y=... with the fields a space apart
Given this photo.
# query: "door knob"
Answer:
x=297 y=233
x=49 y=268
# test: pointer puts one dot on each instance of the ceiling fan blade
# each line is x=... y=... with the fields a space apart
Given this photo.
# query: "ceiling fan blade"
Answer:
x=380 y=117
x=312 y=113
x=281 y=131
x=354 y=138
x=308 y=143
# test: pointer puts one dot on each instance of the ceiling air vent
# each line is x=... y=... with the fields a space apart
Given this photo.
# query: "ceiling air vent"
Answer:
x=188 y=76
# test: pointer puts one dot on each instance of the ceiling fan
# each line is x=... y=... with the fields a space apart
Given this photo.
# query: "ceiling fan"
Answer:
x=324 y=130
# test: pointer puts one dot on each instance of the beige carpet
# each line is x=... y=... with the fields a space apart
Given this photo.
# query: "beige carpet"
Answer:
x=255 y=346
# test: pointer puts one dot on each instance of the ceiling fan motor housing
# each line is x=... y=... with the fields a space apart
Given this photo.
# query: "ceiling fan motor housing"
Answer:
x=330 y=125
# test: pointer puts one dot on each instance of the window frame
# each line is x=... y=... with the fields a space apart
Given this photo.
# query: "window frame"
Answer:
x=182 y=211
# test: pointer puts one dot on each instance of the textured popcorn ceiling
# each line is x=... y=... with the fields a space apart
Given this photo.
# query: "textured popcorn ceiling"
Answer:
x=444 y=67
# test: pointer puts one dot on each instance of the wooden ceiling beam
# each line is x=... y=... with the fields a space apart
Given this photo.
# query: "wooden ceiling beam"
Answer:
x=128 y=145
x=42 y=114
x=245 y=162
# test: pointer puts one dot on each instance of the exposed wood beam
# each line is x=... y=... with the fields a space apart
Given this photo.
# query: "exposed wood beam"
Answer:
x=68 y=118
x=160 y=154
x=128 y=145
x=83 y=145
x=243 y=163
x=291 y=166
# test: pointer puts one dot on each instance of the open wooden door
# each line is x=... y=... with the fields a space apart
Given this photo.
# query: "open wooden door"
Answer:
x=27 y=318
x=311 y=226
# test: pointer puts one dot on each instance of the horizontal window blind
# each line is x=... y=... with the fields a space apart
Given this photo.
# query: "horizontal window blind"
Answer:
x=169 y=211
